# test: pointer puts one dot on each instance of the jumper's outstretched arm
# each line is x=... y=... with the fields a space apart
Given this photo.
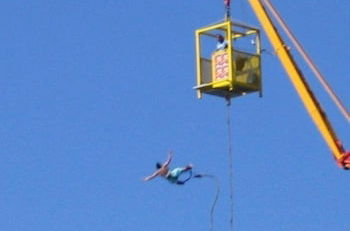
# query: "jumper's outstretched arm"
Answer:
x=155 y=174
x=170 y=158
x=164 y=167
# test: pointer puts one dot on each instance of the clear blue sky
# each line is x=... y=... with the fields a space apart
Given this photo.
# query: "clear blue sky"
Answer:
x=93 y=93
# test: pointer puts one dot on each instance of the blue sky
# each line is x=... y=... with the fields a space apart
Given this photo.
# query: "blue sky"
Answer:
x=93 y=93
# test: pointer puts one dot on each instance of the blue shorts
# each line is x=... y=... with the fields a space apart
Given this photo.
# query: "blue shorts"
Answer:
x=174 y=174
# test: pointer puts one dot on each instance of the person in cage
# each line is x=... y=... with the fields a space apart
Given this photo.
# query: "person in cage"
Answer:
x=222 y=43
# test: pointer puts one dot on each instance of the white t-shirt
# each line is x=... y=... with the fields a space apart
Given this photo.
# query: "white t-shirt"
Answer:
x=221 y=46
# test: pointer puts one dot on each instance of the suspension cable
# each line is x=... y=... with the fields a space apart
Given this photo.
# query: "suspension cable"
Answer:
x=230 y=158
x=307 y=59
x=227 y=4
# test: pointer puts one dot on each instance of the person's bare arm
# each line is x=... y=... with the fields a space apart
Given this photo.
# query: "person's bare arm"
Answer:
x=164 y=166
x=155 y=174
x=170 y=157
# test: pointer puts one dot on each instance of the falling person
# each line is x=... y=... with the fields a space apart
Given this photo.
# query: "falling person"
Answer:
x=171 y=175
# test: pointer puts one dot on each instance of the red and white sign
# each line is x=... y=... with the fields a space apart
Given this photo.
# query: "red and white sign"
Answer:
x=221 y=67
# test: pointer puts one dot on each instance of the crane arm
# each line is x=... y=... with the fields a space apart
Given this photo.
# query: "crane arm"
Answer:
x=310 y=102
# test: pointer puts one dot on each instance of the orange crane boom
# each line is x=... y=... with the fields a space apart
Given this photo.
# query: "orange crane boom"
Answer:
x=308 y=98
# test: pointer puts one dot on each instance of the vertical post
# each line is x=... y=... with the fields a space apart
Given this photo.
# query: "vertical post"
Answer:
x=198 y=63
x=258 y=51
x=230 y=53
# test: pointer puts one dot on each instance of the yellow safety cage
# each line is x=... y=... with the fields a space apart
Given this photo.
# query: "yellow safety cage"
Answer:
x=229 y=72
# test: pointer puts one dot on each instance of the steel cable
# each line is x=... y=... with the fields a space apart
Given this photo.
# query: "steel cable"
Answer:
x=307 y=59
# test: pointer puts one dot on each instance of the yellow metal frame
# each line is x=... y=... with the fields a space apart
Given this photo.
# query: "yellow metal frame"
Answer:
x=228 y=27
x=310 y=102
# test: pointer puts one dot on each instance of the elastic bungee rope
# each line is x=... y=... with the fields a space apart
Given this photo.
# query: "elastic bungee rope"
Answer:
x=216 y=198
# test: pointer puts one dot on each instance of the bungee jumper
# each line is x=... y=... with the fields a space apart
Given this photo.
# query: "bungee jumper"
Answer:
x=171 y=175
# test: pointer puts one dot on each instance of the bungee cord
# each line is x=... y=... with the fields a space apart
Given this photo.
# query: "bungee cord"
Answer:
x=216 y=198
